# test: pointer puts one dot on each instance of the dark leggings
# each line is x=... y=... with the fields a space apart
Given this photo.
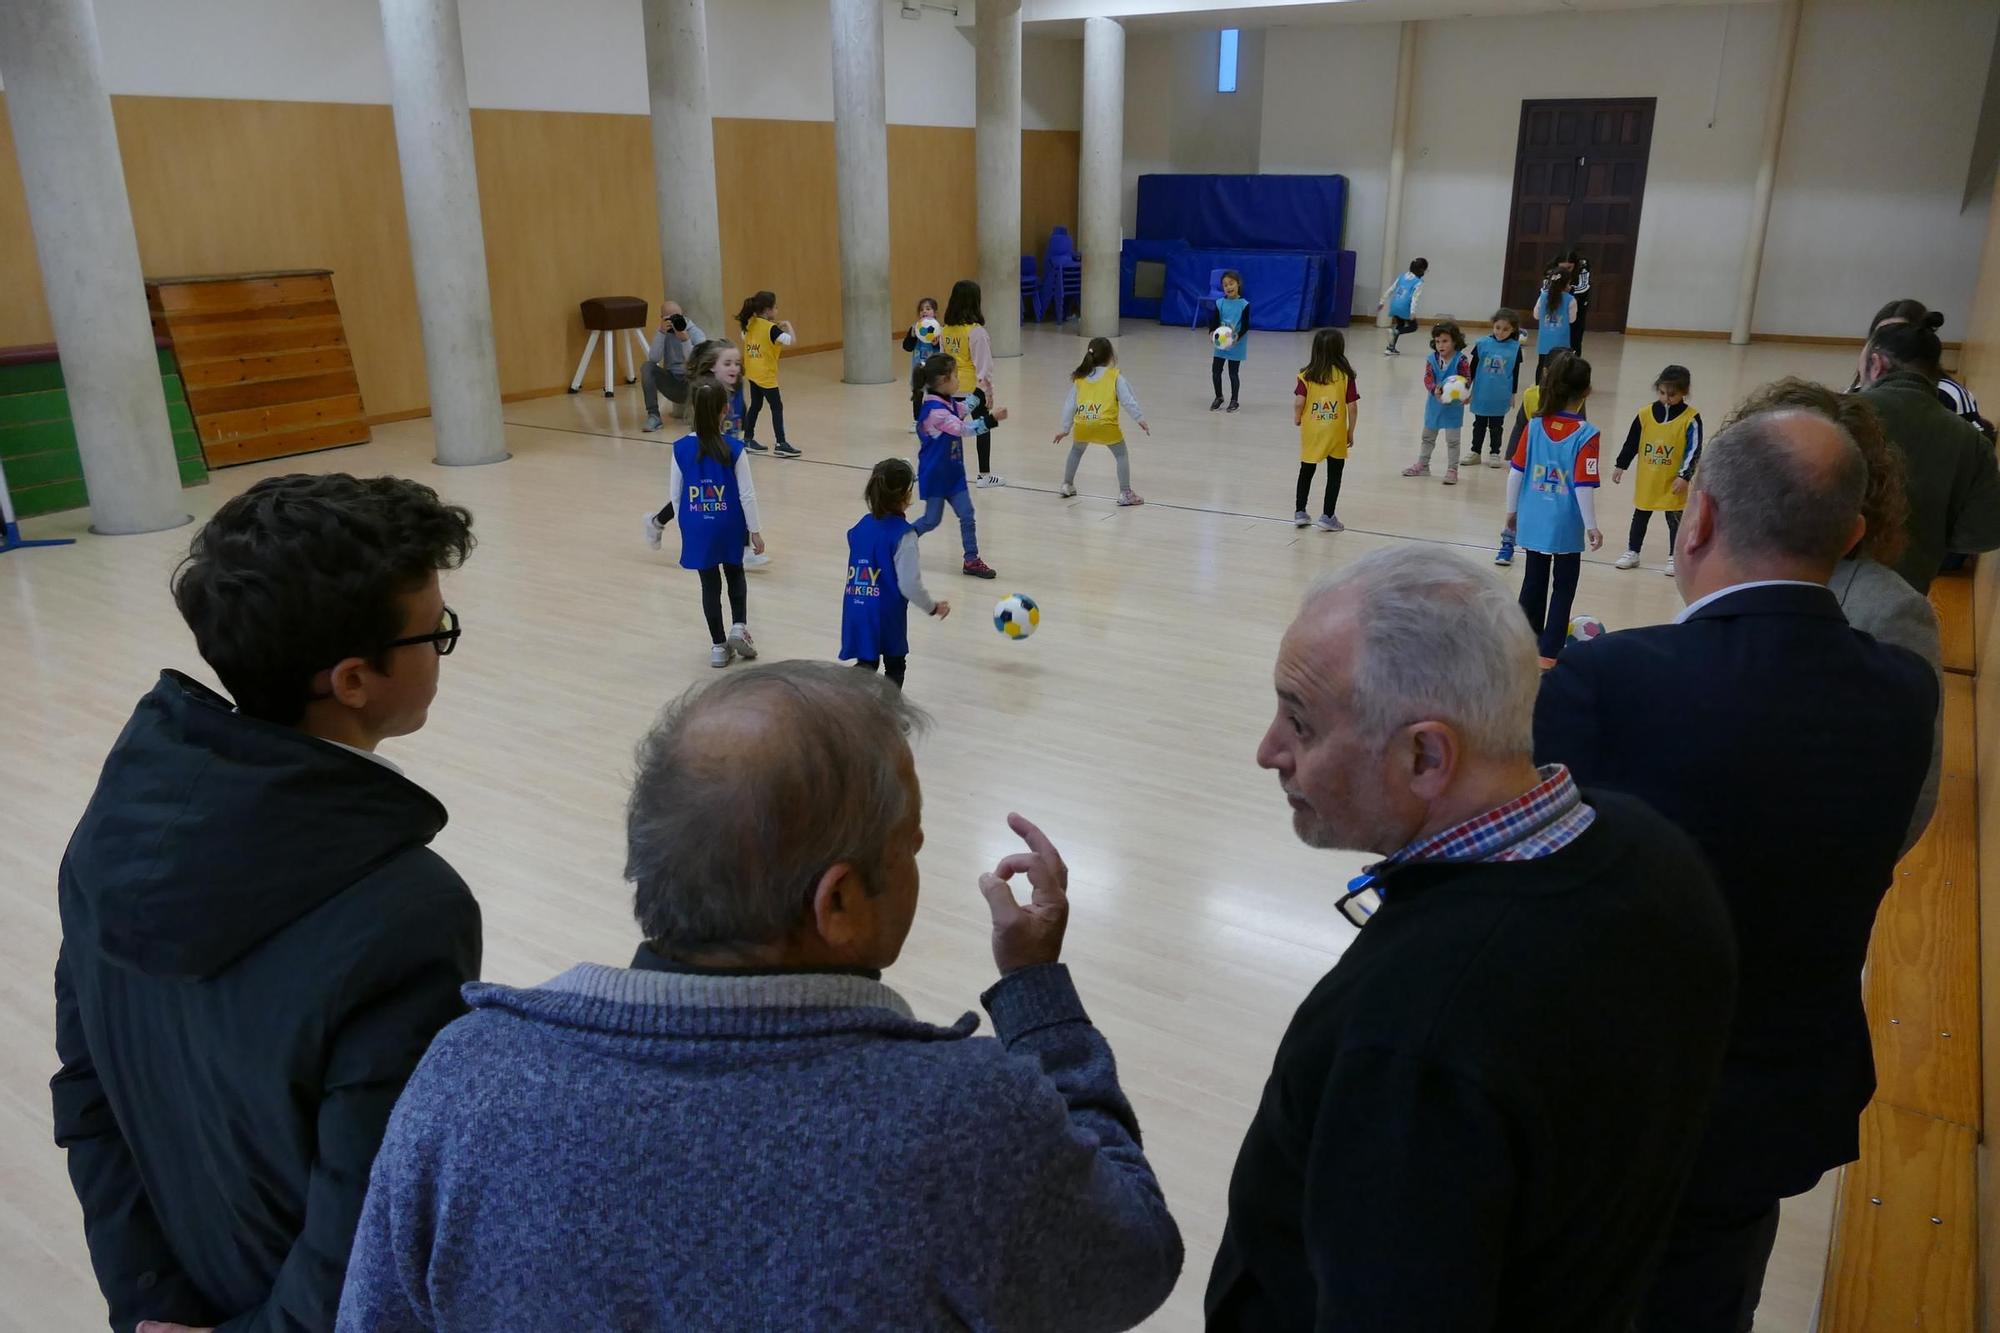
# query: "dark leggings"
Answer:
x=984 y=444
x=897 y=666
x=711 y=598
x=1215 y=365
x=1643 y=518
x=758 y=393
x=1496 y=426
x=1548 y=611
x=1334 y=467
x=1576 y=328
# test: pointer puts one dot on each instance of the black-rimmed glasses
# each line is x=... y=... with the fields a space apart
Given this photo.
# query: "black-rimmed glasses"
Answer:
x=444 y=638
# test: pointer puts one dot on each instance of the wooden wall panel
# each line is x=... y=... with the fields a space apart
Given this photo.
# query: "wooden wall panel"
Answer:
x=1048 y=187
x=933 y=223
x=566 y=200
x=780 y=222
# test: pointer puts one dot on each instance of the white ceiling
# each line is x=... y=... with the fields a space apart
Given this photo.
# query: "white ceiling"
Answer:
x=1052 y=18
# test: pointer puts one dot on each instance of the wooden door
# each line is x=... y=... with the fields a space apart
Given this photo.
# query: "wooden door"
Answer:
x=1579 y=182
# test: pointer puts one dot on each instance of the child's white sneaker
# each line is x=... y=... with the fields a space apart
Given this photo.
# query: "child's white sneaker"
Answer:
x=988 y=480
x=752 y=560
x=741 y=644
x=719 y=655
x=1629 y=560
x=653 y=530
x=1669 y=570
x=1068 y=490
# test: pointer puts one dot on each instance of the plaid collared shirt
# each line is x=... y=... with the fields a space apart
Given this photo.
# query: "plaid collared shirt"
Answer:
x=1541 y=821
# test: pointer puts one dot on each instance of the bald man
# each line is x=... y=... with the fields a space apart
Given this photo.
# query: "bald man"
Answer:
x=1791 y=748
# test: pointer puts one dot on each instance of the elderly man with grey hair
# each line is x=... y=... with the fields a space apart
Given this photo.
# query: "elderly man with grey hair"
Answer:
x=1482 y=1116
x=1791 y=747
x=745 y=1129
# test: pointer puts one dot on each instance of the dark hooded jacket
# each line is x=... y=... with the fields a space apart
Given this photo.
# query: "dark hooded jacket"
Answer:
x=258 y=946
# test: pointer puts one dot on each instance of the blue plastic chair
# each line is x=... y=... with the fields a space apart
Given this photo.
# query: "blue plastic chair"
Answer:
x=1214 y=295
x=1061 y=247
x=1031 y=289
x=1071 y=274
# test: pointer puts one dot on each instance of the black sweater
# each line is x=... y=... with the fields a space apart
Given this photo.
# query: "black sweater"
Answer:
x=1483 y=1116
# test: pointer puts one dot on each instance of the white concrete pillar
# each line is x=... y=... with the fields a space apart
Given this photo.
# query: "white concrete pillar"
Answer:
x=997 y=157
x=1101 y=171
x=1399 y=146
x=861 y=181
x=1776 y=97
x=684 y=159
x=447 y=244
x=82 y=220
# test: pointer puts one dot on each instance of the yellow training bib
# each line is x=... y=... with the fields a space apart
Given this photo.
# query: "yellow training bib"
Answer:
x=760 y=353
x=956 y=340
x=1096 y=420
x=1662 y=450
x=1323 y=429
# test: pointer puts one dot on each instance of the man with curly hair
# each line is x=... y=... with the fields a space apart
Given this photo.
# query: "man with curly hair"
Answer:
x=258 y=944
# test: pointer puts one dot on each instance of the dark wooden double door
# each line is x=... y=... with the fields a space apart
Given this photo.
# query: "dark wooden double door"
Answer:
x=1579 y=181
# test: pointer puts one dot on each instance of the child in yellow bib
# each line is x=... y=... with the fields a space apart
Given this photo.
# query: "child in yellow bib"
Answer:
x=763 y=336
x=1665 y=440
x=962 y=336
x=1098 y=398
x=1325 y=405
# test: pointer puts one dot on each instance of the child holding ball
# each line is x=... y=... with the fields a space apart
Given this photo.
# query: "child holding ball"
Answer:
x=1496 y=375
x=942 y=425
x=1232 y=312
x=716 y=506
x=1447 y=360
x=763 y=337
x=883 y=576
x=1098 y=395
x=1551 y=500
x=921 y=342
x=1666 y=440
x=963 y=335
x=1325 y=406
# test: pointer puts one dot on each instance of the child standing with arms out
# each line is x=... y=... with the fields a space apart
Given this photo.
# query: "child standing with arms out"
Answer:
x=1098 y=397
x=762 y=338
x=942 y=425
x=1555 y=312
x=1234 y=312
x=1325 y=407
x=1446 y=360
x=883 y=576
x=716 y=506
x=963 y=335
x=1401 y=301
x=1666 y=440
x=1551 y=501
x=921 y=343
x=1496 y=375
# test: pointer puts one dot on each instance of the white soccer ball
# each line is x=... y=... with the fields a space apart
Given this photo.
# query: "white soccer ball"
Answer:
x=1225 y=337
x=927 y=329
x=1455 y=390
x=1016 y=615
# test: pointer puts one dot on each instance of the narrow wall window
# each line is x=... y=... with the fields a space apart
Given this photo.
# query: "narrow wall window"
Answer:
x=1225 y=69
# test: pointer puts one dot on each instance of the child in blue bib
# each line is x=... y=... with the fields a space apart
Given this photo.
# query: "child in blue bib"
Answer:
x=883 y=576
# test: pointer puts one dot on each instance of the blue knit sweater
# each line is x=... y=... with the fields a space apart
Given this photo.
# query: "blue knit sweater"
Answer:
x=642 y=1150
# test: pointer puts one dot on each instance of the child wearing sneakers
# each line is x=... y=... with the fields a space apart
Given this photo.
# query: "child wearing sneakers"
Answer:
x=963 y=336
x=763 y=339
x=942 y=425
x=1551 y=501
x=1401 y=301
x=883 y=577
x=1098 y=396
x=716 y=507
x=719 y=358
x=1446 y=361
x=1325 y=406
x=1665 y=438
x=1233 y=310
x=921 y=342
x=1496 y=376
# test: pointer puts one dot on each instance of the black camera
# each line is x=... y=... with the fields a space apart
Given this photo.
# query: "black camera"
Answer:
x=679 y=322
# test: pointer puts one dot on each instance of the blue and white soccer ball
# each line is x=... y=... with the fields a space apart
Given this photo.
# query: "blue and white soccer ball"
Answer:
x=927 y=329
x=1016 y=615
x=1582 y=629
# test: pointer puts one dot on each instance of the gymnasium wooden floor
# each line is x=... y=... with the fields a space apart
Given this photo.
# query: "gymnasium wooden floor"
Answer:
x=1126 y=727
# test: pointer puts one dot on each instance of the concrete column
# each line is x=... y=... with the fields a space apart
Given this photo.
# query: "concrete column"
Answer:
x=1101 y=169
x=997 y=154
x=1778 y=94
x=447 y=244
x=684 y=159
x=82 y=220
x=861 y=177
x=1399 y=146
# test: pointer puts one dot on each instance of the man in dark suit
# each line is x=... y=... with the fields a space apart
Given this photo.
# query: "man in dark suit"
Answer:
x=1791 y=747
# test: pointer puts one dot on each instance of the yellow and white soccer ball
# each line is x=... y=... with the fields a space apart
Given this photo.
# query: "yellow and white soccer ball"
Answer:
x=1455 y=390
x=1225 y=337
x=1016 y=615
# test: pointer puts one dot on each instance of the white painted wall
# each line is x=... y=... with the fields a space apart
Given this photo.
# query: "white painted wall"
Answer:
x=1869 y=194
x=1149 y=93
x=1175 y=120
